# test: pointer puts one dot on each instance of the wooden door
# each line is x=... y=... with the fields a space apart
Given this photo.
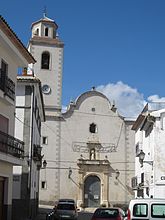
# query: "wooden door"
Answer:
x=92 y=191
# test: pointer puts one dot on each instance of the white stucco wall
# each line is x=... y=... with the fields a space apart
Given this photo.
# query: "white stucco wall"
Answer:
x=51 y=77
x=24 y=102
x=7 y=109
x=69 y=140
x=153 y=146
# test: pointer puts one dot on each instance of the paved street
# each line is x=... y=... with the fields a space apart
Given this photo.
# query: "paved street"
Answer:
x=85 y=215
x=43 y=213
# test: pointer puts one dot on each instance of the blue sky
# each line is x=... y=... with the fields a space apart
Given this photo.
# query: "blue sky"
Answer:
x=118 y=46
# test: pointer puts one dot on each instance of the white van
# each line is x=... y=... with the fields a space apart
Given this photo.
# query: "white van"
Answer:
x=146 y=209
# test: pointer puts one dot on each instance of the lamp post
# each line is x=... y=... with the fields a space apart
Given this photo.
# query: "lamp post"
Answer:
x=70 y=173
x=44 y=164
x=141 y=159
x=117 y=173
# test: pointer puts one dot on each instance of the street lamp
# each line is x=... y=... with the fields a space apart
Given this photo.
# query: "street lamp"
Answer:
x=44 y=164
x=117 y=173
x=70 y=173
x=141 y=159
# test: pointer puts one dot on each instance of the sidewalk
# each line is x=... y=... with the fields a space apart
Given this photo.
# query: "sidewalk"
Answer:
x=43 y=211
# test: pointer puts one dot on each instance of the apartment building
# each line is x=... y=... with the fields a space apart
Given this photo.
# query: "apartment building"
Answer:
x=13 y=55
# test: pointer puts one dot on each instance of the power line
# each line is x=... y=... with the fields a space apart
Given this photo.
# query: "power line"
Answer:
x=75 y=168
x=22 y=122
x=71 y=161
x=56 y=133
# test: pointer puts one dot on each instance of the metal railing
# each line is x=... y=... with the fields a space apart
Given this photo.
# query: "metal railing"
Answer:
x=7 y=85
x=37 y=152
x=11 y=145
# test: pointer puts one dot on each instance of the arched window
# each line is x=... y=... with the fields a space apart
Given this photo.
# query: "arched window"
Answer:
x=37 y=31
x=93 y=128
x=46 y=31
x=45 y=60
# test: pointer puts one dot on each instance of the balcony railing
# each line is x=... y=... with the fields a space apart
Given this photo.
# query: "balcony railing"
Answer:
x=7 y=85
x=37 y=152
x=11 y=145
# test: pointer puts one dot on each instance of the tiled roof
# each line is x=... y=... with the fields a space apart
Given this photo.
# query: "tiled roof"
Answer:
x=4 y=26
x=46 y=20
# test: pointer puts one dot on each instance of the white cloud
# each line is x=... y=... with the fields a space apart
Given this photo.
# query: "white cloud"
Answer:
x=64 y=108
x=156 y=98
x=129 y=101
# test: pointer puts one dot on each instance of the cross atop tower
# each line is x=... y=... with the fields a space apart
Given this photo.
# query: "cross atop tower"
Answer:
x=45 y=11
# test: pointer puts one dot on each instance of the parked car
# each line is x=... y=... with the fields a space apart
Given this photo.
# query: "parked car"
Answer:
x=65 y=200
x=114 y=213
x=65 y=210
x=144 y=209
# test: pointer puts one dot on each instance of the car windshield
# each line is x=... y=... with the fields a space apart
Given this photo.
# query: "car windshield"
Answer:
x=67 y=200
x=106 y=213
x=65 y=206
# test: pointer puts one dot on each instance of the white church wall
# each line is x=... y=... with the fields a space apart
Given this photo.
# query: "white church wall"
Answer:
x=111 y=130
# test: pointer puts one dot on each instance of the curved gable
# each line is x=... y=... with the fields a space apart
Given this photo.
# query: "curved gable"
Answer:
x=91 y=102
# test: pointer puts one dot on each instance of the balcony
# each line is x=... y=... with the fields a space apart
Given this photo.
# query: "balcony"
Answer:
x=7 y=85
x=37 y=153
x=37 y=157
x=11 y=145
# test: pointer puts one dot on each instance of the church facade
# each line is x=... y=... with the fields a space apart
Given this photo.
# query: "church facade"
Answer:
x=89 y=149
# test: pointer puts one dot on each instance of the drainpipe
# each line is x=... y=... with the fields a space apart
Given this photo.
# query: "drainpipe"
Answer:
x=31 y=152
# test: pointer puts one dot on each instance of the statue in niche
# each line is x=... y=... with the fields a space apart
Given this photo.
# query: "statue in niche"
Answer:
x=92 y=154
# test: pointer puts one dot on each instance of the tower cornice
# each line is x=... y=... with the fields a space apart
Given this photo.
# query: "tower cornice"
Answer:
x=46 y=41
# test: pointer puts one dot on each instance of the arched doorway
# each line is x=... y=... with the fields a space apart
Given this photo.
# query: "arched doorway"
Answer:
x=92 y=190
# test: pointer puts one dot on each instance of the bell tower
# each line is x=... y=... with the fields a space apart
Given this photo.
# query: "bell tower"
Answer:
x=47 y=49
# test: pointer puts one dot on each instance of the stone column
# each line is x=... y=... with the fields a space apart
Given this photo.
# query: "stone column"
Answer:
x=80 y=190
x=105 y=189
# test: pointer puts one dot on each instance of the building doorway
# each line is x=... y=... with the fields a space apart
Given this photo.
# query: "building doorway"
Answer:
x=92 y=189
x=1 y=197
